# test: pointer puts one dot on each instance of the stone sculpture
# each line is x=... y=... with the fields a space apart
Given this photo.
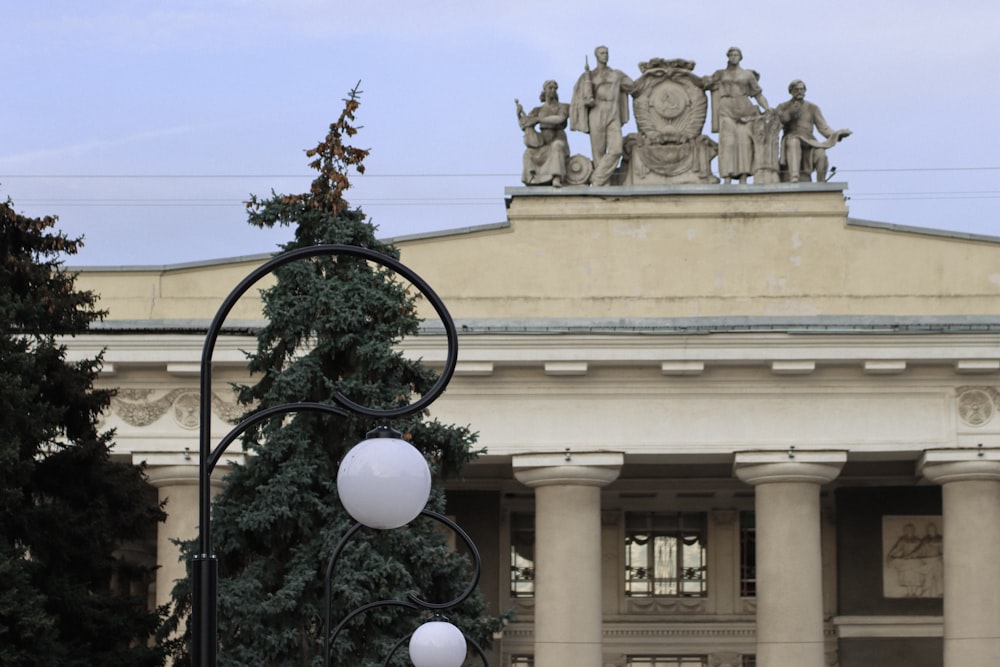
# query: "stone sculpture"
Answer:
x=733 y=114
x=670 y=108
x=599 y=107
x=546 y=152
x=801 y=153
x=913 y=564
x=670 y=104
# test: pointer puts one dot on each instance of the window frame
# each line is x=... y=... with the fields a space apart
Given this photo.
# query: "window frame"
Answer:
x=683 y=571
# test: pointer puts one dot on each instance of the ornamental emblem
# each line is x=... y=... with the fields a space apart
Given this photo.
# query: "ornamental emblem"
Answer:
x=186 y=410
x=976 y=405
x=670 y=108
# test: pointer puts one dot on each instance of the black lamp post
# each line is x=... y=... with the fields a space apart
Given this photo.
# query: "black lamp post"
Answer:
x=408 y=474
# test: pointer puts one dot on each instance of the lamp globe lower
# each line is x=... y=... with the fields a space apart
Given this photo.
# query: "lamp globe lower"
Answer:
x=384 y=482
x=437 y=644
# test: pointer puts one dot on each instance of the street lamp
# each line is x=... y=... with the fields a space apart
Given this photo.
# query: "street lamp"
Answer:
x=384 y=482
x=436 y=643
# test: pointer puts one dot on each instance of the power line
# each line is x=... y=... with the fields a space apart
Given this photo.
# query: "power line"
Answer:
x=223 y=176
x=154 y=203
x=437 y=201
x=917 y=169
x=432 y=175
x=189 y=202
x=920 y=197
x=231 y=200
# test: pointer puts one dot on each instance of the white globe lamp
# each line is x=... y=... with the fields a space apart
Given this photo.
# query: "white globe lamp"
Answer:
x=437 y=644
x=384 y=482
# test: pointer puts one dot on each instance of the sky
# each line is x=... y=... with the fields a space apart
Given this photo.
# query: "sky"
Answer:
x=145 y=125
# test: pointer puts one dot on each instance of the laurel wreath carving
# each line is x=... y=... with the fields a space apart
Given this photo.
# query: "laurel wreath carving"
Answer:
x=135 y=408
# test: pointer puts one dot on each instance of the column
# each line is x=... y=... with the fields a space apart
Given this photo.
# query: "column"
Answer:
x=789 y=552
x=568 y=610
x=178 y=486
x=970 y=497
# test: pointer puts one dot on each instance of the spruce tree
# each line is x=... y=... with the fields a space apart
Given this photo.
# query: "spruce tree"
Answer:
x=332 y=326
x=65 y=506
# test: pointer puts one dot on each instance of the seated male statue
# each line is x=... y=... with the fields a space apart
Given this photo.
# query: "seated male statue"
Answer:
x=801 y=153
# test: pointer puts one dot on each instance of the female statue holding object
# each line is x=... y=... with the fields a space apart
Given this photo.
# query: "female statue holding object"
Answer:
x=733 y=114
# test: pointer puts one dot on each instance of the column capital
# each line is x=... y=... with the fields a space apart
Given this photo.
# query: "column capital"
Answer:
x=960 y=465
x=567 y=468
x=763 y=467
x=172 y=475
x=183 y=475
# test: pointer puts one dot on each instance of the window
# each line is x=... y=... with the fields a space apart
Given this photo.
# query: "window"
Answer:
x=666 y=661
x=749 y=661
x=748 y=555
x=665 y=555
x=522 y=661
x=522 y=555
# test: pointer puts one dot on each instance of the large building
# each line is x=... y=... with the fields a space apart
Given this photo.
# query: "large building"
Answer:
x=725 y=425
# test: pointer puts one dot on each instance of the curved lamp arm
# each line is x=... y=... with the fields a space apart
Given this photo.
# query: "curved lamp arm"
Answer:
x=204 y=565
x=211 y=337
x=412 y=601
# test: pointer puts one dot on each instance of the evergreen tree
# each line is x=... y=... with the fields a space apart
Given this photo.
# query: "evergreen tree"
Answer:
x=332 y=326
x=65 y=505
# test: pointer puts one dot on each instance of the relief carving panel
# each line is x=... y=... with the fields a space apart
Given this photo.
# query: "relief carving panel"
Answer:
x=136 y=407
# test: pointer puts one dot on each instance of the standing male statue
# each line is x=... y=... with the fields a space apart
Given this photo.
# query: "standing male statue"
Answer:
x=801 y=153
x=599 y=107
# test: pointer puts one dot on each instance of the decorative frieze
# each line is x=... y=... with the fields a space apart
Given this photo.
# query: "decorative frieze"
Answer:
x=227 y=411
x=664 y=605
x=136 y=407
x=680 y=630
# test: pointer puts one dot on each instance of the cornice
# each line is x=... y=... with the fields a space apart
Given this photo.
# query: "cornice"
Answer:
x=575 y=351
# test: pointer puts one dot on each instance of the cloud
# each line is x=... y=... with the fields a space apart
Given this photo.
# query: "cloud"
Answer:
x=92 y=145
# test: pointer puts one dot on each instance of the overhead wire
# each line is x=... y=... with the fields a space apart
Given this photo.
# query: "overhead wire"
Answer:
x=361 y=199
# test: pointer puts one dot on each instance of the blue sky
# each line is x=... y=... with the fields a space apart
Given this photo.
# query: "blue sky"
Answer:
x=145 y=125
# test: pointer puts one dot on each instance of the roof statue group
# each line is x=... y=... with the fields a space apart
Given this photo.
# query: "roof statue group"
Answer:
x=670 y=104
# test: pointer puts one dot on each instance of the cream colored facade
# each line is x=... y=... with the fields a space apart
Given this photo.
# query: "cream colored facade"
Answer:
x=748 y=356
